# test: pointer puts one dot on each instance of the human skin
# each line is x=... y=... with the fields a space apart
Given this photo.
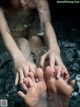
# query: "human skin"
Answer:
x=36 y=91
x=58 y=89
x=24 y=64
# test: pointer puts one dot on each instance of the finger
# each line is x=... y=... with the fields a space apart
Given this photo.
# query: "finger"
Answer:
x=56 y=71
x=72 y=83
x=21 y=76
x=17 y=78
x=52 y=62
x=32 y=76
x=24 y=87
x=32 y=69
x=59 y=72
x=43 y=60
x=21 y=94
x=26 y=71
x=31 y=83
x=26 y=81
x=58 y=62
x=63 y=66
x=65 y=74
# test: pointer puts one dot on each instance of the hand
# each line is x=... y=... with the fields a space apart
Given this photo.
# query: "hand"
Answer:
x=54 y=59
x=57 y=85
x=22 y=68
x=35 y=90
x=63 y=73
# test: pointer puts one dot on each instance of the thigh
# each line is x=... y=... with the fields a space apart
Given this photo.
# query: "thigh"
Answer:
x=36 y=43
x=23 y=45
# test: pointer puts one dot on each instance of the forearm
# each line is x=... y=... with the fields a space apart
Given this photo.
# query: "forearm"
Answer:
x=50 y=37
x=45 y=19
x=10 y=44
x=7 y=38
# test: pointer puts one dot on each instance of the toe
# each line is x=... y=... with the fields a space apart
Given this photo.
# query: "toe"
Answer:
x=48 y=73
x=39 y=73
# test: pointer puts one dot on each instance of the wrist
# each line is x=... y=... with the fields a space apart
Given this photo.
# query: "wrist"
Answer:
x=55 y=50
x=17 y=55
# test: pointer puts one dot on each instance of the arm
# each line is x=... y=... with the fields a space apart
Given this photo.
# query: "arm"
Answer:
x=7 y=38
x=54 y=52
x=22 y=66
x=45 y=19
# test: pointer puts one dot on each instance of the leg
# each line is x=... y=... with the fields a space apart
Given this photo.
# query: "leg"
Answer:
x=23 y=44
x=23 y=63
x=35 y=43
x=58 y=89
x=36 y=91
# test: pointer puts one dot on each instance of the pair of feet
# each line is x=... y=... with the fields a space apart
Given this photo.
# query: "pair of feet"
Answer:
x=45 y=82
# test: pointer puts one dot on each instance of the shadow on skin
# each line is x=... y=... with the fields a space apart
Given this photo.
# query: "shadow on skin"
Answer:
x=59 y=90
x=35 y=90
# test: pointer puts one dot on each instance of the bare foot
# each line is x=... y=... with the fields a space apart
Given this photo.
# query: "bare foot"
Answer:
x=58 y=89
x=35 y=91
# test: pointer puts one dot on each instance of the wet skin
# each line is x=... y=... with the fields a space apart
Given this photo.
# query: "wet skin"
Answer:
x=57 y=84
x=56 y=87
x=23 y=66
x=35 y=90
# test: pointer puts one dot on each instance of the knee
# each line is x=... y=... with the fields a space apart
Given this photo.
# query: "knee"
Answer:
x=22 y=41
x=35 y=39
